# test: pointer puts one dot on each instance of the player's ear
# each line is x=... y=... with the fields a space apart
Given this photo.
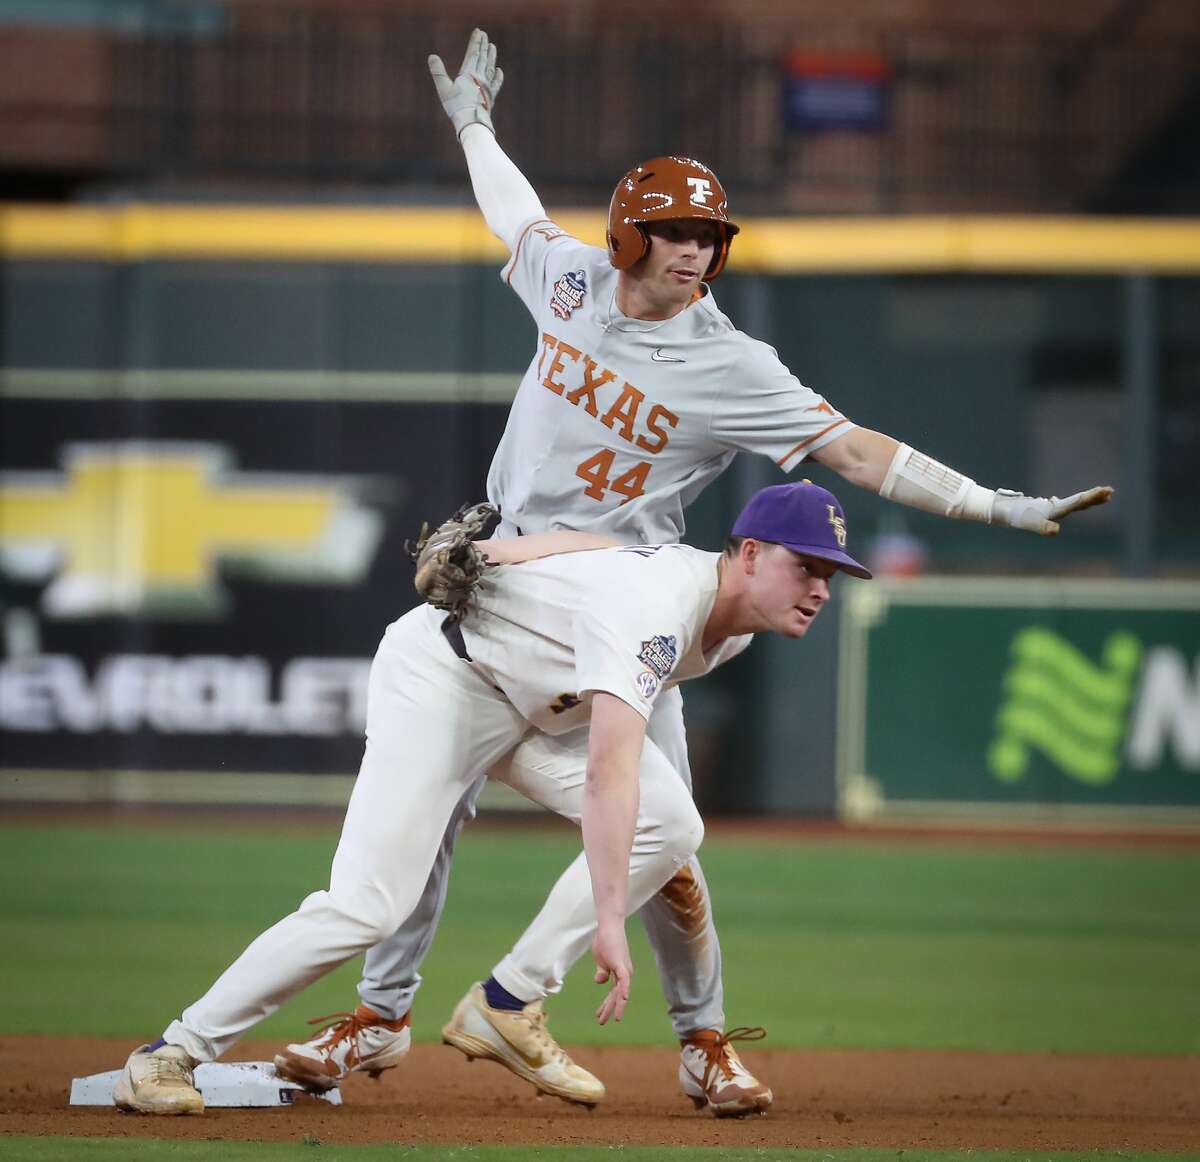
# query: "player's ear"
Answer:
x=749 y=552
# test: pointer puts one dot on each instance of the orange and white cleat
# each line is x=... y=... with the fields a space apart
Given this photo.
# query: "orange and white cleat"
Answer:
x=713 y=1076
x=347 y=1043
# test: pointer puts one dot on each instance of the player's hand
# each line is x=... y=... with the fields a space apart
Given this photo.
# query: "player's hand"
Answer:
x=468 y=99
x=1041 y=514
x=450 y=564
x=611 y=952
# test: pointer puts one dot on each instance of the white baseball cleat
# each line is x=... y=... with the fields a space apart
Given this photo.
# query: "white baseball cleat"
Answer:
x=712 y=1074
x=161 y=1082
x=347 y=1043
x=521 y=1043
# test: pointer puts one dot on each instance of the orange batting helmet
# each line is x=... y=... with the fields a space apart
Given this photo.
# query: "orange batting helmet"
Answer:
x=661 y=189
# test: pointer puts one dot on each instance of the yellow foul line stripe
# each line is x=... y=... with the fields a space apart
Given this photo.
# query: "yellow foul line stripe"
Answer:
x=134 y=232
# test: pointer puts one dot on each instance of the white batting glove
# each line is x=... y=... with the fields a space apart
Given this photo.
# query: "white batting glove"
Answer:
x=1041 y=514
x=469 y=98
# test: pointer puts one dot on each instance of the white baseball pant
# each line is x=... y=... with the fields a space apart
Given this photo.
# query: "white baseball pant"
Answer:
x=678 y=920
x=434 y=724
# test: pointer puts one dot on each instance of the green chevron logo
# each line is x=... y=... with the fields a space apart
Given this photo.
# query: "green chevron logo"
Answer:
x=1058 y=701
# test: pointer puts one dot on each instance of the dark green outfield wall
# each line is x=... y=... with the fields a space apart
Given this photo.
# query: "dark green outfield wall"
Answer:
x=394 y=379
x=1017 y=380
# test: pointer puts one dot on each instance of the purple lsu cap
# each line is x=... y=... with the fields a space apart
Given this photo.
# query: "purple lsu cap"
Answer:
x=803 y=517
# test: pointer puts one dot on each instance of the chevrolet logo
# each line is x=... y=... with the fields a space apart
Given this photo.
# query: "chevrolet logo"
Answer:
x=137 y=528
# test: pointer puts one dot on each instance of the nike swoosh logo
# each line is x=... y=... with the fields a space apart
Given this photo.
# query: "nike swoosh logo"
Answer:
x=659 y=356
x=533 y=1062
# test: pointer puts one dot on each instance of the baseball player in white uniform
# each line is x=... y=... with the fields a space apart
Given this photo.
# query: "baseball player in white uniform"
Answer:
x=571 y=652
x=639 y=393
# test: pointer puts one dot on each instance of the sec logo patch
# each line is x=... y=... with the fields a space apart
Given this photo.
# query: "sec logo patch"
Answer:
x=647 y=684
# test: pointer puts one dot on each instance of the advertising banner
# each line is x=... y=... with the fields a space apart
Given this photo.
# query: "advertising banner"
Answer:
x=200 y=585
x=836 y=91
x=1019 y=697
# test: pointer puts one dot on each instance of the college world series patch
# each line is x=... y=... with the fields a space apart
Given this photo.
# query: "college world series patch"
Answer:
x=568 y=293
x=659 y=654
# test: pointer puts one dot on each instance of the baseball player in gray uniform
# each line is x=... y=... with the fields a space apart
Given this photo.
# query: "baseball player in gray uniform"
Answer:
x=573 y=651
x=639 y=393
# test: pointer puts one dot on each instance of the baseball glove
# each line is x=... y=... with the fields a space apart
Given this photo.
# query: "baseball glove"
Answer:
x=449 y=565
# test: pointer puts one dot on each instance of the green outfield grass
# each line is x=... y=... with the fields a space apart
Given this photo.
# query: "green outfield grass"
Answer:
x=854 y=943
x=149 y=1150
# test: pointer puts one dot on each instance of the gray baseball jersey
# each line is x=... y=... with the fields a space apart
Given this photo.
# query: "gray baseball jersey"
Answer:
x=629 y=621
x=619 y=423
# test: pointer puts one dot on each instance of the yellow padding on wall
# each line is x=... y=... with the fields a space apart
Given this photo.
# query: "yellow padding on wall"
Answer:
x=136 y=233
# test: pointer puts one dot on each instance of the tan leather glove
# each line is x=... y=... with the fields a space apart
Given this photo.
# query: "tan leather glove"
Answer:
x=449 y=566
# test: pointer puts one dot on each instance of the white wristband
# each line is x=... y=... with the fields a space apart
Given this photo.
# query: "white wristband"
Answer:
x=922 y=482
x=978 y=504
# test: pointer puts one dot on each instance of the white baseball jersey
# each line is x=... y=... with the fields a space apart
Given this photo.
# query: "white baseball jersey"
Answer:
x=629 y=621
x=436 y=723
x=619 y=423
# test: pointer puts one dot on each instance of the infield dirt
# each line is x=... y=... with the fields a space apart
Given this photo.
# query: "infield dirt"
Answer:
x=823 y=1098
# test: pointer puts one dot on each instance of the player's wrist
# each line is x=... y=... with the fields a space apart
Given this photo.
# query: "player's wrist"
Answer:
x=468 y=119
x=977 y=504
x=609 y=922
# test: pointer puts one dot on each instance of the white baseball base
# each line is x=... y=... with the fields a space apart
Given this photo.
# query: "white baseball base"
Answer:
x=224 y=1085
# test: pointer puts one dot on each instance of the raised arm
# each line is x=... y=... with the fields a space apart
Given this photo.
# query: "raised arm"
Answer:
x=901 y=473
x=610 y=807
x=505 y=197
